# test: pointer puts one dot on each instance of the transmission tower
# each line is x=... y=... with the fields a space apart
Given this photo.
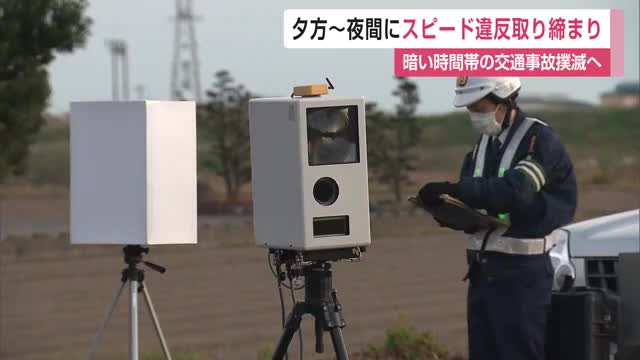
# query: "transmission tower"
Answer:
x=185 y=68
x=119 y=61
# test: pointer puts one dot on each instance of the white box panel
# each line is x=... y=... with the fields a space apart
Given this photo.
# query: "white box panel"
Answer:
x=133 y=173
x=284 y=206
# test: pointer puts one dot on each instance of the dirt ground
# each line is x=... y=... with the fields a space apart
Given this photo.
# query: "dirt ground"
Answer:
x=219 y=299
x=222 y=302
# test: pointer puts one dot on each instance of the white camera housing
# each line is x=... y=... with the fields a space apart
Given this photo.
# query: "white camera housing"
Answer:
x=133 y=172
x=296 y=142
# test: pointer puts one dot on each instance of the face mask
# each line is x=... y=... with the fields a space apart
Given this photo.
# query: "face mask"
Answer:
x=485 y=123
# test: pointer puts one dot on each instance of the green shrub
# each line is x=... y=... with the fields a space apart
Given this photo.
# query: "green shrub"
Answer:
x=405 y=342
x=264 y=353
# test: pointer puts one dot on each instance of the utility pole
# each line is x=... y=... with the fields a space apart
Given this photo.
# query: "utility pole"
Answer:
x=119 y=62
x=185 y=67
x=140 y=91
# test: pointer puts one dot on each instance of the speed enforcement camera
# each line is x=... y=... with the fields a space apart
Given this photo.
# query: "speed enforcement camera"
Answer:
x=309 y=172
x=133 y=172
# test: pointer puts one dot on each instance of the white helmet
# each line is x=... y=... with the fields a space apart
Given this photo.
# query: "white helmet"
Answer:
x=471 y=89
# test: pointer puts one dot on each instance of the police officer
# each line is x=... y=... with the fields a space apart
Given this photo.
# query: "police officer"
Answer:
x=520 y=172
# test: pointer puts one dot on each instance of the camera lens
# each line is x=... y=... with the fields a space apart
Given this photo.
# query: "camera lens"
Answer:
x=325 y=191
x=332 y=135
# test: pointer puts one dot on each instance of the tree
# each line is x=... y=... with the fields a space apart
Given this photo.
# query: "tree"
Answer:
x=393 y=139
x=224 y=122
x=31 y=34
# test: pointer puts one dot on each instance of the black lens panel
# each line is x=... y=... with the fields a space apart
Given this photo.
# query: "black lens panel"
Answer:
x=326 y=191
x=332 y=135
x=331 y=226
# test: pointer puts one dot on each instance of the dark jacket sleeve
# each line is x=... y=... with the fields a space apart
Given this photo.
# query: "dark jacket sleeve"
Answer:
x=466 y=165
x=517 y=189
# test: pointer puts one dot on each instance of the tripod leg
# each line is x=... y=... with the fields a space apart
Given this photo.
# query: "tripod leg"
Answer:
x=319 y=332
x=290 y=328
x=338 y=344
x=156 y=322
x=133 y=317
x=105 y=321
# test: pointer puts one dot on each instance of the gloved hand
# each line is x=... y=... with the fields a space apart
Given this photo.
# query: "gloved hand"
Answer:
x=471 y=230
x=430 y=193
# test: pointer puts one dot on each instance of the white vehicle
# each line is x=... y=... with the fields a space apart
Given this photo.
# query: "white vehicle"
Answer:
x=594 y=247
x=590 y=276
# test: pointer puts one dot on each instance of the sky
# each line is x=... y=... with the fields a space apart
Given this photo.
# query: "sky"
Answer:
x=245 y=37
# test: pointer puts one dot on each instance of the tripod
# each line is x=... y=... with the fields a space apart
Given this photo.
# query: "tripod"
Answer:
x=321 y=301
x=135 y=277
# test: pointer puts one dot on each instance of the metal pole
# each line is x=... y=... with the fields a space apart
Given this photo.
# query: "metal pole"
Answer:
x=133 y=317
x=112 y=308
x=115 y=83
x=156 y=322
x=125 y=72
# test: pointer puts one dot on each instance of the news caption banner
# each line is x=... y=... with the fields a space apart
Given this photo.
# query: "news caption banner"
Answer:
x=479 y=42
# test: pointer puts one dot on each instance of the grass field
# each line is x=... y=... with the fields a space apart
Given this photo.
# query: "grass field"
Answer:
x=602 y=142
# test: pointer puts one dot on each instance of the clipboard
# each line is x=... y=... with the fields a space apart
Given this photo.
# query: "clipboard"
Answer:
x=455 y=214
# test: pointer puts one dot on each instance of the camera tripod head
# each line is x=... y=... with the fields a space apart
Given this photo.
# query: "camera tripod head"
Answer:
x=133 y=255
x=299 y=258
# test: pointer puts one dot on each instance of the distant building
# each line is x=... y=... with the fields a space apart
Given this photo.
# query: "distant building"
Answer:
x=550 y=101
x=626 y=95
